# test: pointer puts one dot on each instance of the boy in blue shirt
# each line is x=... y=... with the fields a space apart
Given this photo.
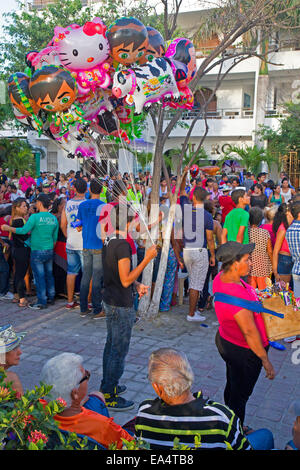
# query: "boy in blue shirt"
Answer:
x=88 y=218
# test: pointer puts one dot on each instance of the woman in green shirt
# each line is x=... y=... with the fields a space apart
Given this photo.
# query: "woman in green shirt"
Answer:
x=43 y=228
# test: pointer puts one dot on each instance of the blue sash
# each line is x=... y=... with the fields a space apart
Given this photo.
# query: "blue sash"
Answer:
x=253 y=305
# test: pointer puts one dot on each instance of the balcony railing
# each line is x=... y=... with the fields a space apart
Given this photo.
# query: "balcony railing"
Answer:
x=226 y=113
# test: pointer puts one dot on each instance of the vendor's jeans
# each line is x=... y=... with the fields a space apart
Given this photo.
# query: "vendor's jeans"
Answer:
x=4 y=274
x=92 y=269
x=296 y=280
x=42 y=267
x=119 y=321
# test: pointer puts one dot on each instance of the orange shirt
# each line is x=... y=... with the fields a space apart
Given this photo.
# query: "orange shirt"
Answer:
x=89 y=423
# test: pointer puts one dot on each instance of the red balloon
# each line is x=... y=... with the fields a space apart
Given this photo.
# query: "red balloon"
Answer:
x=194 y=170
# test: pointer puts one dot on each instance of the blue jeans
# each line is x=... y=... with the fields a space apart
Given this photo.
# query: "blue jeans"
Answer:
x=4 y=274
x=42 y=267
x=119 y=321
x=262 y=439
x=92 y=269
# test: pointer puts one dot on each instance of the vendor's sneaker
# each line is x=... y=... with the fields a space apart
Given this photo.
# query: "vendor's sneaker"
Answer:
x=117 y=403
x=196 y=317
x=119 y=390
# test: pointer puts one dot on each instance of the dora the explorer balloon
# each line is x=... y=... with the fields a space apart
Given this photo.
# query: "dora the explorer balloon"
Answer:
x=53 y=88
x=128 y=41
x=156 y=45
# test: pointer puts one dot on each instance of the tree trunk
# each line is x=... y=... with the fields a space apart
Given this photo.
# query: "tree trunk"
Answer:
x=154 y=306
x=154 y=214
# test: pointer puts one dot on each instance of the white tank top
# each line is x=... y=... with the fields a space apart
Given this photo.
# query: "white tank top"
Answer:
x=74 y=238
x=286 y=196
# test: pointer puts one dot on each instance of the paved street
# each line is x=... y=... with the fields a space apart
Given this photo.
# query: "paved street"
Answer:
x=57 y=330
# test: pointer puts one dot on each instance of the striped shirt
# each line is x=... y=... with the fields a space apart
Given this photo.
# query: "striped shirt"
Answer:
x=293 y=239
x=216 y=425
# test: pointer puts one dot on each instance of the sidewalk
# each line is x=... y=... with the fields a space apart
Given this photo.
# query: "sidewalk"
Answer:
x=56 y=330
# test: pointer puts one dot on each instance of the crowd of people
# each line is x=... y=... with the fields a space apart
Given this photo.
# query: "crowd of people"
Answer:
x=81 y=238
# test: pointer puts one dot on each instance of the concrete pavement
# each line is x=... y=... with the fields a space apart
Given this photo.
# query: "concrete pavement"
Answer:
x=56 y=330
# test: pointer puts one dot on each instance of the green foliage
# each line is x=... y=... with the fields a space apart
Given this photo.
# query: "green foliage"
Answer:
x=27 y=424
x=250 y=158
x=287 y=138
x=25 y=31
x=16 y=154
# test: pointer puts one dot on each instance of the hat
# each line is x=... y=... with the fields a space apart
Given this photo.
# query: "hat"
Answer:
x=9 y=339
x=225 y=187
x=230 y=250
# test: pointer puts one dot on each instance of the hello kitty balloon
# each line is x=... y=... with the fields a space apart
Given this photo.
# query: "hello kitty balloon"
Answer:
x=83 y=50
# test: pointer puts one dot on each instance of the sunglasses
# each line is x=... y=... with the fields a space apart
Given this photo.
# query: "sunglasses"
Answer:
x=86 y=376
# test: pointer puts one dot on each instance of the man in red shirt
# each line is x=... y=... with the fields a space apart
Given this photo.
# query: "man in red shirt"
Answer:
x=226 y=202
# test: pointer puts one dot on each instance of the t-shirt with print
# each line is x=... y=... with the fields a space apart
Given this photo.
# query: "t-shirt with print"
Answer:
x=43 y=228
x=195 y=220
x=74 y=238
x=115 y=249
x=234 y=220
x=88 y=214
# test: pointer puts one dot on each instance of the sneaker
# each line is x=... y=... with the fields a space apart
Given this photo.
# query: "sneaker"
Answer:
x=119 y=390
x=290 y=339
x=99 y=315
x=90 y=306
x=72 y=305
x=84 y=314
x=37 y=306
x=196 y=317
x=116 y=403
x=50 y=301
x=7 y=296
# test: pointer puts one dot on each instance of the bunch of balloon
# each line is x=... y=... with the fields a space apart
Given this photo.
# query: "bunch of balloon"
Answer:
x=96 y=79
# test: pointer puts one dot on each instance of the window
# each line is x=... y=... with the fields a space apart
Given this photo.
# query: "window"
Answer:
x=52 y=162
x=247 y=101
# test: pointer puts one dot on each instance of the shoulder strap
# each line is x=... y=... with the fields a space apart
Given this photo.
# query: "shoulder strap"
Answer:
x=253 y=305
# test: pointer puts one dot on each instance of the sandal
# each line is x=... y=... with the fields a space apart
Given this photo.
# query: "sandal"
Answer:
x=23 y=304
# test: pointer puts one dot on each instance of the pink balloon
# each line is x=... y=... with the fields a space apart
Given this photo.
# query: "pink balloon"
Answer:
x=84 y=51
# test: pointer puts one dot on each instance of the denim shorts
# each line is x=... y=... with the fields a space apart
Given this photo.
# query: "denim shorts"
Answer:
x=75 y=261
x=285 y=264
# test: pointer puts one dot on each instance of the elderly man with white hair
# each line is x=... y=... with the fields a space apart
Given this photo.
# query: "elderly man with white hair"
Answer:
x=85 y=415
x=178 y=413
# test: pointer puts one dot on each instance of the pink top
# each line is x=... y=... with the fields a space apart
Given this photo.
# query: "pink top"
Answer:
x=26 y=183
x=269 y=227
x=284 y=246
x=229 y=329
